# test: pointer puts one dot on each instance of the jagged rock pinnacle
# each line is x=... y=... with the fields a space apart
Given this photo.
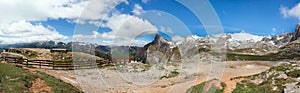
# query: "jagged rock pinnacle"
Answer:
x=296 y=34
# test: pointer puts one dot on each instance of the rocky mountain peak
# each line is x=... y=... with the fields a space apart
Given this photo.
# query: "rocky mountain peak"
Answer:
x=159 y=39
x=296 y=34
x=159 y=50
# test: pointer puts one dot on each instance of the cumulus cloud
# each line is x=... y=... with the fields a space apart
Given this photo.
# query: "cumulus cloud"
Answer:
x=103 y=39
x=138 y=10
x=99 y=9
x=16 y=16
x=24 y=32
x=293 y=12
x=39 y=10
x=167 y=30
x=128 y=26
x=124 y=28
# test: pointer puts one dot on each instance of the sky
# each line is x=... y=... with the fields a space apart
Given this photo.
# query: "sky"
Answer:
x=134 y=22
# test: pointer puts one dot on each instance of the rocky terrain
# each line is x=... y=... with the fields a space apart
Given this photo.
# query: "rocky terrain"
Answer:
x=278 y=79
x=160 y=51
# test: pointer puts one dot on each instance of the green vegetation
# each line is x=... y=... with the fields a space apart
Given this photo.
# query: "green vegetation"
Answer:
x=246 y=86
x=18 y=80
x=171 y=75
x=243 y=57
x=294 y=73
x=203 y=50
x=215 y=53
x=29 y=56
x=200 y=88
x=281 y=67
x=102 y=55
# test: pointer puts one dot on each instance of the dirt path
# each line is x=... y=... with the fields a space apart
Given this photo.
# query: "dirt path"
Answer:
x=235 y=69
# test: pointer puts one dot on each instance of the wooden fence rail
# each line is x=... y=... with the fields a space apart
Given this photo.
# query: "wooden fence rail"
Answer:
x=57 y=64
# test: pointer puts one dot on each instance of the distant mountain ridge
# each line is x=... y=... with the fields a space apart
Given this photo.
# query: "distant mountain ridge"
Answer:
x=280 y=45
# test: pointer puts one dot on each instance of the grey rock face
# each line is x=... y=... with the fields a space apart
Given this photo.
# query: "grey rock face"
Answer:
x=296 y=34
x=291 y=88
x=159 y=50
x=282 y=75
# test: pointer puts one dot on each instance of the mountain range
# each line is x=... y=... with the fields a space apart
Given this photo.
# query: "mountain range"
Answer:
x=286 y=45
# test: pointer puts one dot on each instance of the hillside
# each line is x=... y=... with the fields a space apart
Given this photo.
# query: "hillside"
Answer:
x=45 y=54
x=18 y=80
x=278 y=79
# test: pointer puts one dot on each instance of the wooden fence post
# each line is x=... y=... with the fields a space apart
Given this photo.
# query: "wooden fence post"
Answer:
x=40 y=63
x=53 y=66
x=27 y=62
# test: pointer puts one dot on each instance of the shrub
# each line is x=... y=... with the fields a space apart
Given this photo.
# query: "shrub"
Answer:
x=294 y=73
x=171 y=75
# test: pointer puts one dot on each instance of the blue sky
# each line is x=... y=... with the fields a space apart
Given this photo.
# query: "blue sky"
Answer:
x=258 y=17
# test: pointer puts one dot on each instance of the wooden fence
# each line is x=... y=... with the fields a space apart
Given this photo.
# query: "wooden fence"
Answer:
x=57 y=64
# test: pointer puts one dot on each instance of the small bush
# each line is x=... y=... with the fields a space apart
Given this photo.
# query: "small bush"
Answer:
x=171 y=75
x=200 y=88
x=203 y=50
x=294 y=73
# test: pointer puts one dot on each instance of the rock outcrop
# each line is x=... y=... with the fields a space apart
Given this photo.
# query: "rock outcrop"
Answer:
x=159 y=51
x=292 y=49
x=296 y=34
x=283 y=78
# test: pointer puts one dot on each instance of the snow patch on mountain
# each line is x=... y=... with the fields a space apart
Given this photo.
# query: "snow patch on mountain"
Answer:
x=243 y=36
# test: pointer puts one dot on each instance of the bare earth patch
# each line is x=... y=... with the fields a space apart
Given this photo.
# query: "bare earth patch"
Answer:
x=39 y=85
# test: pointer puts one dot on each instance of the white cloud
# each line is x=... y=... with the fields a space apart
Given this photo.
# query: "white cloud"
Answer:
x=99 y=9
x=128 y=26
x=24 y=32
x=140 y=43
x=167 y=30
x=138 y=10
x=16 y=16
x=124 y=28
x=103 y=39
x=15 y=26
x=39 y=10
x=293 y=12
x=177 y=39
x=145 y=1
x=273 y=31
x=243 y=36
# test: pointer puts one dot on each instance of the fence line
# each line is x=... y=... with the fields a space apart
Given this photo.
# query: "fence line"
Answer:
x=57 y=64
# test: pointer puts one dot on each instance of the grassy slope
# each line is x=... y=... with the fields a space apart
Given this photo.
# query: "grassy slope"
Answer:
x=243 y=57
x=246 y=86
x=18 y=80
x=199 y=88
